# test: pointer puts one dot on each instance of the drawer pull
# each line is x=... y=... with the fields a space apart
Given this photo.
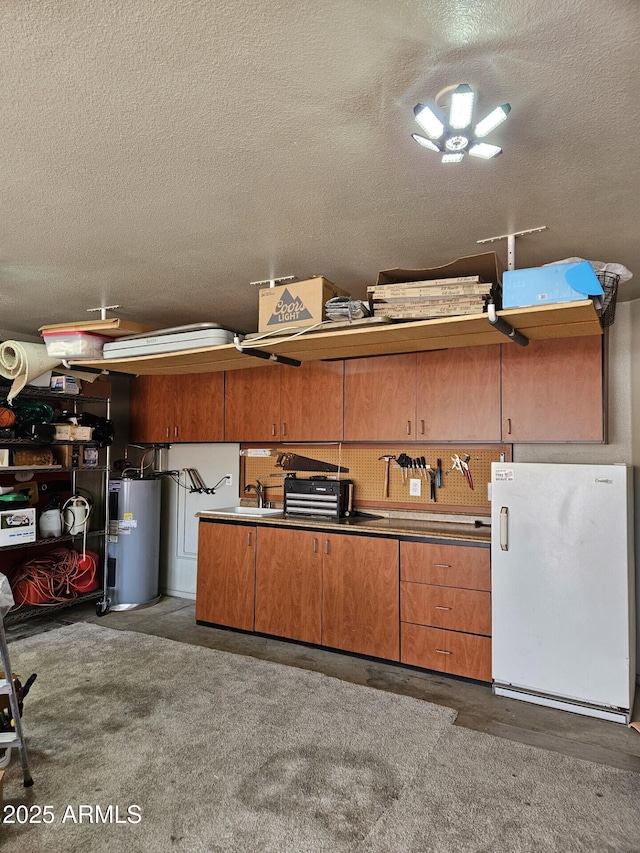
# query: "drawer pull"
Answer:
x=408 y=427
x=249 y=538
x=442 y=652
x=439 y=607
x=442 y=565
x=315 y=545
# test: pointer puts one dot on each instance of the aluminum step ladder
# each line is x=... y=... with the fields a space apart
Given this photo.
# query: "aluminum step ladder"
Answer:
x=14 y=739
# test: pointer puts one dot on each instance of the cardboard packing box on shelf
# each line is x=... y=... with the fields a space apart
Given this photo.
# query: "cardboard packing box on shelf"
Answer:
x=487 y=265
x=73 y=432
x=68 y=455
x=299 y=303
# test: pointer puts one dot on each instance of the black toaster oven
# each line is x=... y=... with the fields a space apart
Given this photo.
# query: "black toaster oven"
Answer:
x=318 y=496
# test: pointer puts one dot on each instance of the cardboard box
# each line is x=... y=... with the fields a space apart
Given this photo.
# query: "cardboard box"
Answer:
x=487 y=265
x=73 y=432
x=298 y=304
x=68 y=455
x=554 y=283
x=17 y=526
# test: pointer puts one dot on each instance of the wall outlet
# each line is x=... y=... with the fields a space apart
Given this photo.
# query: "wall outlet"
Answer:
x=415 y=487
x=229 y=479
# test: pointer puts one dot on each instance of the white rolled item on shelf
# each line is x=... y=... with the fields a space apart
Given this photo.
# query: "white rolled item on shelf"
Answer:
x=23 y=362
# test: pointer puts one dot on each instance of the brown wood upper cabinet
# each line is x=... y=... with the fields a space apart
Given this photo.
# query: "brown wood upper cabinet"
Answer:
x=552 y=390
x=177 y=408
x=283 y=403
x=444 y=395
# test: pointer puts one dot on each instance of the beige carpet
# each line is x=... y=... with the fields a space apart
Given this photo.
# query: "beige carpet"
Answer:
x=228 y=753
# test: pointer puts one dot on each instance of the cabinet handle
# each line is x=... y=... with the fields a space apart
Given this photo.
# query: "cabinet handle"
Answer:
x=439 y=607
x=442 y=652
x=326 y=546
x=408 y=427
x=175 y=432
x=167 y=432
x=315 y=545
x=422 y=427
x=284 y=428
x=249 y=537
x=442 y=565
x=508 y=426
x=273 y=429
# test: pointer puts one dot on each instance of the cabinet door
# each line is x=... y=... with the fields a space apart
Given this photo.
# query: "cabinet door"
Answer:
x=226 y=574
x=458 y=394
x=199 y=407
x=289 y=584
x=311 y=401
x=380 y=398
x=252 y=404
x=553 y=390
x=152 y=409
x=360 y=592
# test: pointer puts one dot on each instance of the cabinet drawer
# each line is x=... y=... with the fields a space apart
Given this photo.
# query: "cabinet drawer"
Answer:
x=446 y=565
x=446 y=607
x=446 y=651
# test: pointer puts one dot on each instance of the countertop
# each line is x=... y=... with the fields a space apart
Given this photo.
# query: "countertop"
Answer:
x=461 y=528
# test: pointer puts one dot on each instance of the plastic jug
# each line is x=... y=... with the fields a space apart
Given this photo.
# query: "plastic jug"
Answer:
x=75 y=514
x=50 y=523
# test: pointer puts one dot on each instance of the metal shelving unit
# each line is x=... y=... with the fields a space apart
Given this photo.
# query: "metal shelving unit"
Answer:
x=76 y=403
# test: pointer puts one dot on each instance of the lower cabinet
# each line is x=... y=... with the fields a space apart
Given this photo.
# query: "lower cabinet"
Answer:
x=360 y=595
x=225 y=587
x=445 y=608
x=333 y=590
x=289 y=584
x=423 y=604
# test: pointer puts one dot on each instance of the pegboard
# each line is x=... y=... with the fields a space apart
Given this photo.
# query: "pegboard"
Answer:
x=367 y=471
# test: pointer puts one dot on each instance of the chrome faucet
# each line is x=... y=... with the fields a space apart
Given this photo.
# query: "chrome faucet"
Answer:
x=259 y=489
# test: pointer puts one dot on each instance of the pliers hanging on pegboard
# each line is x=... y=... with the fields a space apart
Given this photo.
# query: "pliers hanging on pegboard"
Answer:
x=462 y=465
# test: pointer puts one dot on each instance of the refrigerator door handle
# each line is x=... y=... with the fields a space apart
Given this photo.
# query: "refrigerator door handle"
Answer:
x=504 y=537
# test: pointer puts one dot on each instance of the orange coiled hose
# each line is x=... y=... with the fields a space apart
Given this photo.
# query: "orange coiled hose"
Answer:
x=54 y=578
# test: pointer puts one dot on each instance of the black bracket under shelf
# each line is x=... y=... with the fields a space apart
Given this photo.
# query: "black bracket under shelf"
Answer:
x=506 y=328
x=267 y=356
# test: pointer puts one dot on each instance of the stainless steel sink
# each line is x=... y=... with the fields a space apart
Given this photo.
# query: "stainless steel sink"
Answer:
x=246 y=511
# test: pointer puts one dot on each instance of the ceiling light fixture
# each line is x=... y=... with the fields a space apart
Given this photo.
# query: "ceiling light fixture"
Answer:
x=452 y=136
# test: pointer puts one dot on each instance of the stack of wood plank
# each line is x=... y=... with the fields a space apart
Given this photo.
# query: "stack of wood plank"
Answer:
x=420 y=300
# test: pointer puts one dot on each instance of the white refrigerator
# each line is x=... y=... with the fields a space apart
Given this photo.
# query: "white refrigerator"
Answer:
x=563 y=601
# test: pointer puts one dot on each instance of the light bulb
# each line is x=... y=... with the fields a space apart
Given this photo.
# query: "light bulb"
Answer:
x=494 y=118
x=428 y=121
x=461 y=108
x=453 y=158
x=484 y=150
x=426 y=143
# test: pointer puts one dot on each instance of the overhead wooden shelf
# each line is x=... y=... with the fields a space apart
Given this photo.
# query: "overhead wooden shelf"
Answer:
x=564 y=320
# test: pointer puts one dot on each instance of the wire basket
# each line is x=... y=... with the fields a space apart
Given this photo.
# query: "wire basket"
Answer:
x=609 y=282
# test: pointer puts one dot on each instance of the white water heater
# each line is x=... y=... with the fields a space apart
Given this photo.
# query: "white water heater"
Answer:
x=133 y=550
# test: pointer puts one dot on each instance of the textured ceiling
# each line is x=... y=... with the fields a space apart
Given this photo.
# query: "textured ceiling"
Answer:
x=162 y=154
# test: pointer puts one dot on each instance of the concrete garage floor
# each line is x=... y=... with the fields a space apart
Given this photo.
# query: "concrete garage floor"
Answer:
x=572 y=734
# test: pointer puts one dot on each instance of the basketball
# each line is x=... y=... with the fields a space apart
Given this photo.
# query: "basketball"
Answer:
x=7 y=418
